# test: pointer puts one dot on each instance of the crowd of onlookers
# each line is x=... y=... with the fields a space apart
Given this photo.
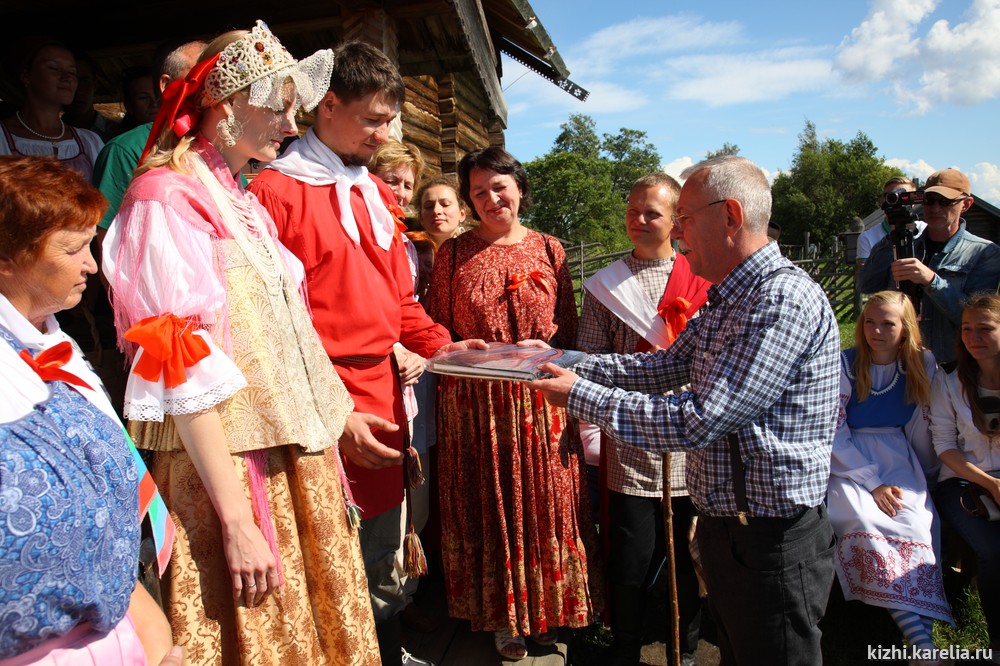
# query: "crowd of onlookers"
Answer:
x=265 y=342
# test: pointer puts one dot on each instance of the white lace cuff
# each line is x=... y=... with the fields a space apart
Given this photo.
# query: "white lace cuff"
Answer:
x=210 y=381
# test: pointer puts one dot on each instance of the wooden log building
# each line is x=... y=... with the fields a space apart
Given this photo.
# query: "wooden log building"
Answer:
x=447 y=50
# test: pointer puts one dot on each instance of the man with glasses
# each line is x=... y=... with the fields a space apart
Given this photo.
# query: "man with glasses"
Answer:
x=757 y=421
x=949 y=263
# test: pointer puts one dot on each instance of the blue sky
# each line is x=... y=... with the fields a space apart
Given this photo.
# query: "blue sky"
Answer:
x=920 y=77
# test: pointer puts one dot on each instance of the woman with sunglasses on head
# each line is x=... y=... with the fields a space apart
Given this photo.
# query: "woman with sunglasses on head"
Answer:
x=965 y=427
x=230 y=387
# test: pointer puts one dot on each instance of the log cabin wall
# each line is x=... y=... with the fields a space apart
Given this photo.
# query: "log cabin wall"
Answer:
x=465 y=118
x=445 y=116
x=445 y=48
x=422 y=121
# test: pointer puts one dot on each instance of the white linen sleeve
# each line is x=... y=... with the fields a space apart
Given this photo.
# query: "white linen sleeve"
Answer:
x=160 y=264
x=944 y=417
x=847 y=461
x=918 y=430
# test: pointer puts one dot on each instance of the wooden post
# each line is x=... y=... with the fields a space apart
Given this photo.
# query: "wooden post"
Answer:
x=674 y=655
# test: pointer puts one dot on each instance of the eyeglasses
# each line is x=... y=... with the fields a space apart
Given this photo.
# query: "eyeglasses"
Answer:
x=933 y=200
x=678 y=220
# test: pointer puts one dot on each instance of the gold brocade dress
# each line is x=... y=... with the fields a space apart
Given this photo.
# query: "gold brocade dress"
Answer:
x=322 y=615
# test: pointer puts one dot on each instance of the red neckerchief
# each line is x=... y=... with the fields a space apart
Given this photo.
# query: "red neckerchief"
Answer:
x=684 y=295
x=48 y=364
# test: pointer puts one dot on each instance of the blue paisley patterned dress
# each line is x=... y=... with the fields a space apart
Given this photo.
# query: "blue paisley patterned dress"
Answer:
x=69 y=520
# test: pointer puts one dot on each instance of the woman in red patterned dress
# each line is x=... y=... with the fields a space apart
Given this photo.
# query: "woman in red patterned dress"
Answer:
x=517 y=537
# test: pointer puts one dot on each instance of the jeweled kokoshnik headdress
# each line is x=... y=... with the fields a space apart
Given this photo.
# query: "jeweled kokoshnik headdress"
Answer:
x=258 y=61
x=261 y=62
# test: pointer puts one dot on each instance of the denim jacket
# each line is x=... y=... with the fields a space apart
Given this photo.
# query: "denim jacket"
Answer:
x=967 y=264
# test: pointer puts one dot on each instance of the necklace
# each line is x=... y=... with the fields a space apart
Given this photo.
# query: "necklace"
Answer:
x=62 y=129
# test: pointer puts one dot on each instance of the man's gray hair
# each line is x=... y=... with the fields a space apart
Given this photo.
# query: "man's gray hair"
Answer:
x=734 y=177
x=176 y=62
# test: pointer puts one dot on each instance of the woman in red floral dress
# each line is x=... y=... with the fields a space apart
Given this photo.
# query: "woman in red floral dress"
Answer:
x=517 y=537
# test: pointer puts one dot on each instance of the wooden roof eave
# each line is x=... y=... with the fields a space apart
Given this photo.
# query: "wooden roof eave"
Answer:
x=529 y=33
x=477 y=35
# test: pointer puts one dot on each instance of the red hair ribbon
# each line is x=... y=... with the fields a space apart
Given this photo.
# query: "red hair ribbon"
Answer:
x=168 y=347
x=675 y=316
x=179 y=107
x=517 y=280
x=49 y=362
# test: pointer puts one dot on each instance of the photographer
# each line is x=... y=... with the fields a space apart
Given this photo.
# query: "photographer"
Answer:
x=948 y=264
x=870 y=237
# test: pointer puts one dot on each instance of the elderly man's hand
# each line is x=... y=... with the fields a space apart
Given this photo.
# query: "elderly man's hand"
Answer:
x=913 y=270
x=474 y=343
x=556 y=389
x=360 y=446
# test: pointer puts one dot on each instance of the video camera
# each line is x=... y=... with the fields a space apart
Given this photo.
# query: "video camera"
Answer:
x=901 y=219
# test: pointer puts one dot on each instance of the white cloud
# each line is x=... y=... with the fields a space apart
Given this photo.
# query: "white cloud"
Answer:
x=951 y=63
x=720 y=80
x=525 y=90
x=675 y=167
x=919 y=169
x=648 y=36
x=985 y=180
x=883 y=39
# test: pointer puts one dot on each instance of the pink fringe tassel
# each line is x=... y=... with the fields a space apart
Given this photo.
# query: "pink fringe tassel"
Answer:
x=256 y=470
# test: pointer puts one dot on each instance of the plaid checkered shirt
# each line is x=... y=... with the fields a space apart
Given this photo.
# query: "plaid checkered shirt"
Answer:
x=762 y=361
x=631 y=471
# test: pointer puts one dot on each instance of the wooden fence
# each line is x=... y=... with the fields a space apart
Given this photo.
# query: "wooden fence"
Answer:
x=833 y=274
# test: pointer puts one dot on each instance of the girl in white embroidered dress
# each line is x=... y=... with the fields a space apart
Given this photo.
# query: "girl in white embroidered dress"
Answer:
x=880 y=508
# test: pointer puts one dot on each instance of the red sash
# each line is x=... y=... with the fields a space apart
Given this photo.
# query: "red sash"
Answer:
x=684 y=295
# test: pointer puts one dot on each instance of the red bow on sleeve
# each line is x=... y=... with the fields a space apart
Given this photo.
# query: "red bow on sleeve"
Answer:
x=49 y=362
x=168 y=347
x=517 y=280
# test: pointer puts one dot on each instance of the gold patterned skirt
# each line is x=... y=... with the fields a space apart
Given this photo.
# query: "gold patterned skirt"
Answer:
x=322 y=615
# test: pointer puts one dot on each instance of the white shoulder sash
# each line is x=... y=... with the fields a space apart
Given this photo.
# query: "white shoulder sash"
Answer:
x=620 y=292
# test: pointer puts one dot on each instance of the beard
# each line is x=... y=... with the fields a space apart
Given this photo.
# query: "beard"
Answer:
x=357 y=160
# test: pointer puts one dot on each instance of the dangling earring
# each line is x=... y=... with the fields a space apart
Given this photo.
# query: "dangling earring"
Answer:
x=230 y=130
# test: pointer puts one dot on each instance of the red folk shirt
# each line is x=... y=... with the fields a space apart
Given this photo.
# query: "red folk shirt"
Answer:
x=361 y=298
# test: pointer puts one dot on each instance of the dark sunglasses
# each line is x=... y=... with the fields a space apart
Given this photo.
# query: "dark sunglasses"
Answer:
x=935 y=200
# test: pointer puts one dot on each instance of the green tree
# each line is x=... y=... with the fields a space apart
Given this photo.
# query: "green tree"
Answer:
x=727 y=149
x=580 y=187
x=829 y=183
x=632 y=156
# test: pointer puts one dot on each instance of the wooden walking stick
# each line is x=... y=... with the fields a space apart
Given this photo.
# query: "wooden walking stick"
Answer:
x=674 y=656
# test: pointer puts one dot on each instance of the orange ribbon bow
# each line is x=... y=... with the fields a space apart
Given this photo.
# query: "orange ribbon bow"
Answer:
x=399 y=217
x=169 y=346
x=49 y=362
x=675 y=316
x=517 y=280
